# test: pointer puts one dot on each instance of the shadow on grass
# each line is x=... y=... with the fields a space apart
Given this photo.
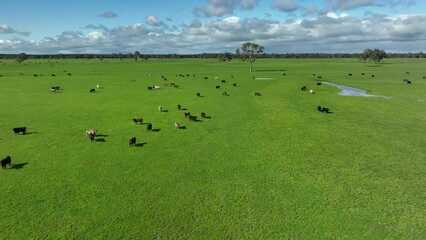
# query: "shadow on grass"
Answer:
x=140 y=144
x=100 y=140
x=208 y=117
x=101 y=135
x=18 y=166
x=156 y=130
x=182 y=127
x=165 y=110
x=184 y=109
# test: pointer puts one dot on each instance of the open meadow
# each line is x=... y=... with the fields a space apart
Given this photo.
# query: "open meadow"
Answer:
x=258 y=167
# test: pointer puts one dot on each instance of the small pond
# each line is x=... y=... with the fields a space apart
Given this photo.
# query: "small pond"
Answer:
x=350 y=91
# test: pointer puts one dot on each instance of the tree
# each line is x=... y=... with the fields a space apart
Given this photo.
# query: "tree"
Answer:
x=21 y=57
x=226 y=56
x=137 y=55
x=250 y=51
x=375 y=55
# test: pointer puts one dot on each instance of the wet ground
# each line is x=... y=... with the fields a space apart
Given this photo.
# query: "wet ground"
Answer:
x=350 y=91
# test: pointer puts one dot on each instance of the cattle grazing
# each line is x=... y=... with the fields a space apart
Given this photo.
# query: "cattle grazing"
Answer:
x=138 y=120
x=319 y=84
x=198 y=94
x=18 y=130
x=56 y=87
x=408 y=82
x=223 y=81
x=319 y=77
x=311 y=91
x=69 y=74
x=407 y=72
x=176 y=86
x=284 y=74
x=52 y=90
x=303 y=88
x=234 y=84
x=160 y=108
x=187 y=114
x=156 y=87
x=177 y=125
x=203 y=114
x=149 y=88
x=132 y=142
x=350 y=74
x=5 y=161
x=35 y=75
x=206 y=78
x=53 y=75
x=179 y=107
x=97 y=86
x=149 y=127
x=257 y=94
x=372 y=75
x=424 y=77
x=363 y=74
x=92 y=90
x=225 y=94
x=325 y=110
x=192 y=118
x=405 y=80
x=1 y=75
x=313 y=74
x=217 y=87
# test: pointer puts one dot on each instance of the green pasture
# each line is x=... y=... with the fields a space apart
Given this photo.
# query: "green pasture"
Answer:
x=268 y=167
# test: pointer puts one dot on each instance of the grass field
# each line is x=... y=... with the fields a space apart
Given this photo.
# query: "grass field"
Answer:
x=269 y=167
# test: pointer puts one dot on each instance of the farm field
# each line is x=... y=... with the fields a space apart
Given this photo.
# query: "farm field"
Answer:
x=259 y=167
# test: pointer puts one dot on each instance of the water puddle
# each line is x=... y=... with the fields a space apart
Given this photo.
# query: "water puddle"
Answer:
x=263 y=78
x=350 y=91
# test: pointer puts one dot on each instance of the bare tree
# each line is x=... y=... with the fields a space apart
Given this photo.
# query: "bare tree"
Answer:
x=250 y=51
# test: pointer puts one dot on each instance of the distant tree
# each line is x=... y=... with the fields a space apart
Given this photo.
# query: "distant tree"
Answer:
x=237 y=53
x=21 y=57
x=375 y=55
x=226 y=56
x=137 y=55
x=251 y=51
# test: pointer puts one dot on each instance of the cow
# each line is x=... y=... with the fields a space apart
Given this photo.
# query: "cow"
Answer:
x=53 y=75
x=223 y=81
x=284 y=74
x=92 y=90
x=257 y=94
x=350 y=74
x=149 y=88
x=372 y=75
x=5 y=161
x=132 y=142
x=326 y=110
x=187 y=114
x=217 y=87
x=179 y=107
x=303 y=88
x=234 y=84
x=192 y=118
x=97 y=86
x=225 y=94
x=206 y=78
x=319 y=108
x=56 y=87
x=156 y=87
x=311 y=91
x=198 y=94
x=319 y=84
x=18 y=130
x=52 y=90
x=35 y=75
x=160 y=108
x=408 y=82
x=69 y=74
x=138 y=120
x=203 y=114
x=149 y=127
x=319 y=77
x=407 y=72
x=363 y=74
x=177 y=125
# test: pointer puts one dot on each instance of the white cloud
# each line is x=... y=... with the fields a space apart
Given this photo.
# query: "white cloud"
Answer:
x=6 y=29
x=285 y=5
x=108 y=14
x=154 y=21
x=222 y=7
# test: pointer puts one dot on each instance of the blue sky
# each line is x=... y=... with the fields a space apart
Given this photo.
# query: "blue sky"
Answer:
x=197 y=26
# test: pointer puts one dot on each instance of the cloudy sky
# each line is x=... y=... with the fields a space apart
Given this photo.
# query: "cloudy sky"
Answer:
x=198 y=26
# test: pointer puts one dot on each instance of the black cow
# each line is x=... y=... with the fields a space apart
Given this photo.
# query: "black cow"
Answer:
x=319 y=108
x=407 y=72
x=35 y=75
x=132 y=142
x=362 y=73
x=56 y=87
x=192 y=118
x=92 y=90
x=217 y=87
x=223 y=81
x=350 y=74
x=408 y=82
x=203 y=114
x=198 y=94
x=187 y=114
x=372 y=75
x=303 y=88
x=138 y=120
x=257 y=94
x=69 y=74
x=225 y=94
x=5 y=161
x=149 y=88
x=18 y=130
x=234 y=84
x=179 y=106
x=53 y=75
x=149 y=127
x=326 y=110
x=319 y=77
x=206 y=78
x=319 y=84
